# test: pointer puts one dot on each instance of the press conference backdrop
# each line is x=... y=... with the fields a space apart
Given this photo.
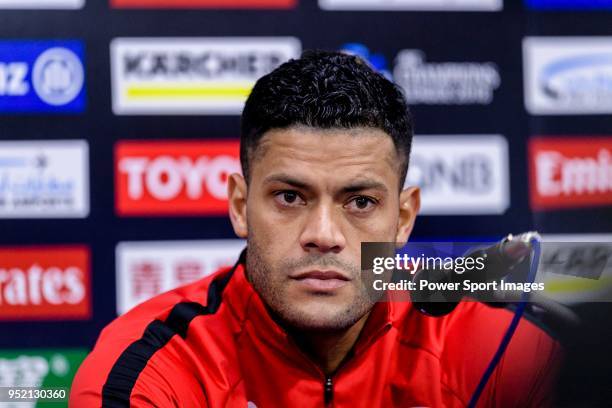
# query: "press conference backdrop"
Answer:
x=119 y=123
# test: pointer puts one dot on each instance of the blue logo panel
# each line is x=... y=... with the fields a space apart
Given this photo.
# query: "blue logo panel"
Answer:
x=569 y=4
x=42 y=76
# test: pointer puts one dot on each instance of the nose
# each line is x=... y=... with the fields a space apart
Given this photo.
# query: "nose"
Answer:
x=322 y=231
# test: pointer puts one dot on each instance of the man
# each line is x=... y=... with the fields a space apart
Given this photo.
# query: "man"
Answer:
x=324 y=148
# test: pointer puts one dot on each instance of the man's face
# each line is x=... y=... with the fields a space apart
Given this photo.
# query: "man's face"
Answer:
x=314 y=196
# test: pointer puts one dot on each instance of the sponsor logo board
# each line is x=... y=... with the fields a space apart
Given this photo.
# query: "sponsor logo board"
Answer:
x=576 y=267
x=570 y=172
x=39 y=369
x=569 y=4
x=203 y=3
x=192 y=75
x=51 y=282
x=41 y=4
x=42 y=76
x=445 y=83
x=567 y=75
x=44 y=179
x=145 y=269
x=377 y=61
x=174 y=177
x=433 y=5
x=460 y=174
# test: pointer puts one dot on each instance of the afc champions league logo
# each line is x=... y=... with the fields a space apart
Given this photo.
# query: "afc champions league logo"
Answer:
x=58 y=76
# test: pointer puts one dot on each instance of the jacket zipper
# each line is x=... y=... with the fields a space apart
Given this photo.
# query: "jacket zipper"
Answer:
x=328 y=384
x=328 y=390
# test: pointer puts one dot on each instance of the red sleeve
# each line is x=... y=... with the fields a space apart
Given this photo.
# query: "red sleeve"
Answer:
x=166 y=382
x=527 y=372
x=86 y=390
x=137 y=360
x=108 y=376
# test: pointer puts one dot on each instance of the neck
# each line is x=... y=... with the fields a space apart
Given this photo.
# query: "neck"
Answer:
x=328 y=349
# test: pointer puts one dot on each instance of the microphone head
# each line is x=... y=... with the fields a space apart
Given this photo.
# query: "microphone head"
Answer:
x=515 y=250
x=501 y=259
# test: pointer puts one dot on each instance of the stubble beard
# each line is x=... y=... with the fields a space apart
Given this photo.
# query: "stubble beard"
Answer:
x=269 y=280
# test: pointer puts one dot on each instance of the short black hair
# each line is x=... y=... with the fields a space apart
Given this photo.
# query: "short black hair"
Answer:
x=325 y=90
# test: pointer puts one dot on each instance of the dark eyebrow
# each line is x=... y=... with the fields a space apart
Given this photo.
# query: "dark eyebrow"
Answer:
x=287 y=179
x=364 y=185
x=351 y=188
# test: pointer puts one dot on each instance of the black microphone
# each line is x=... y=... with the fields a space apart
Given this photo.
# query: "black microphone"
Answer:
x=500 y=260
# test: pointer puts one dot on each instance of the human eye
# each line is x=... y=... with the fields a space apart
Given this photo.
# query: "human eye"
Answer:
x=288 y=198
x=361 y=204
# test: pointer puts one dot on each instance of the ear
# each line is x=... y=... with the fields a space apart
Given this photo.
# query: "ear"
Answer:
x=409 y=205
x=237 y=197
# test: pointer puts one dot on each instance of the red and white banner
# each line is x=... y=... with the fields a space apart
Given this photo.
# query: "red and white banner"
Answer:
x=570 y=172
x=45 y=283
x=174 y=177
x=146 y=269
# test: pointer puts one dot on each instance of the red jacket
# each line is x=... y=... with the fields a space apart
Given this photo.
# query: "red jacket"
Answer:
x=213 y=344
